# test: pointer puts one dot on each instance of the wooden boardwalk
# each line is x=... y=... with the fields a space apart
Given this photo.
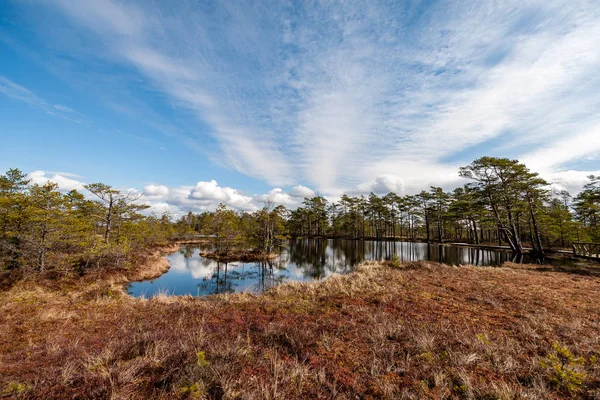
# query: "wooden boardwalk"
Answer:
x=586 y=250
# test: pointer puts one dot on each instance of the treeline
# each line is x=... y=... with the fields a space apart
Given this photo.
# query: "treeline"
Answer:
x=504 y=203
x=42 y=228
x=263 y=229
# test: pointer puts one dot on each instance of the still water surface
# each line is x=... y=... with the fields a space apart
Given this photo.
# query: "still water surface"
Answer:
x=300 y=260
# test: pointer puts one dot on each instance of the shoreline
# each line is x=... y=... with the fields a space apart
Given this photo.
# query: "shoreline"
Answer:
x=155 y=263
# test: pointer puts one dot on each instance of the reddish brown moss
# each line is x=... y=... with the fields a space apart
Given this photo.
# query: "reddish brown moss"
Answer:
x=420 y=331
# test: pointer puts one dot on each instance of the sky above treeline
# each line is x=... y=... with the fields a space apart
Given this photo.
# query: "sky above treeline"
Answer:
x=200 y=102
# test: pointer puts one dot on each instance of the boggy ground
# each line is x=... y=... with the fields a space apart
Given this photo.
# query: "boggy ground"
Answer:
x=420 y=330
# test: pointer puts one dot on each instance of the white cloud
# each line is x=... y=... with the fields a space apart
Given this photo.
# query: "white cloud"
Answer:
x=209 y=190
x=416 y=175
x=17 y=92
x=60 y=107
x=106 y=16
x=301 y=191
x=141 y=37
x=212 y=192
x=204 y=196
x=573 y=147
x=362 y=96
x=382 y=184
x=570 y=180
x=64 y=183
x=66 y=174
x=275 y=196
x=161 y=208
x=156 y=190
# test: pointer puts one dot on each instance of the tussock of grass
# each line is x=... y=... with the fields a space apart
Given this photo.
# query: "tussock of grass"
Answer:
x=416 y=330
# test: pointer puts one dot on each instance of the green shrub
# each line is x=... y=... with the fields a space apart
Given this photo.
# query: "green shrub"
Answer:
x=201 y=359
x=395 y=261
x=566 y=370
x=194 y=391
x=13 y=388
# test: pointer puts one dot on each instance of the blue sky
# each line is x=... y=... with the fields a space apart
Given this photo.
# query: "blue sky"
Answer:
x=197 y=102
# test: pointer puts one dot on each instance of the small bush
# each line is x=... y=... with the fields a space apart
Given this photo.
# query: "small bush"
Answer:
x=566 y=370
x=483 y=339
x=13 y=388
x=201 y=359
x=395 y=261
x=194 y=391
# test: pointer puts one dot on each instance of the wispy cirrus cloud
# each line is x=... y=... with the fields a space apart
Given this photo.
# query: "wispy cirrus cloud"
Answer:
x=62 y=108
x=17 y=92
x=145 y=38
x=366 y=96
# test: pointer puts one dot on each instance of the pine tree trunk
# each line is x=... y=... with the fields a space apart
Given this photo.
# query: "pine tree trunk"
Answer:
x=538 y=242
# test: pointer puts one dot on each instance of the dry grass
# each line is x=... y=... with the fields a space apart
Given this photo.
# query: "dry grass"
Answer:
x=423 y=330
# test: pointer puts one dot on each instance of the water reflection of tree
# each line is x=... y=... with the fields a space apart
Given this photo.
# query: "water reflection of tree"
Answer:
x=227 y=277
x=266 y=277
x=190 y=250
x=218 y=282
x=187 y=251
x=310 y=255
x=317 y=258
x=347 y=254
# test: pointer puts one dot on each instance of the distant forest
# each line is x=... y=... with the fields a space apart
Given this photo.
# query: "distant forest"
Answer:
x=503 y=203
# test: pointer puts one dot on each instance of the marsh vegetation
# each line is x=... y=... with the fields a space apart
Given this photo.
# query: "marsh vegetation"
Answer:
x=416 y=330
x=384 y=329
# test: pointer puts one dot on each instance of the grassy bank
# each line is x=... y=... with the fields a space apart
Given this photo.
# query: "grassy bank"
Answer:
x=422 y=330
